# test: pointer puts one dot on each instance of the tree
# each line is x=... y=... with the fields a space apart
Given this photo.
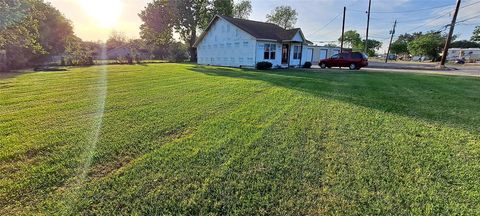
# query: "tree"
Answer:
x=351 y=39
x=399 y=47
x=157 y=24
x=284 y=16
x=464 y=44
x=31 y=30
x=242 y=9
x=116 y=39
x=177 y=52
x=476 y=35
x=163 y=17
x=429 y=44
x=222 y=7
x=190 y=16
x=79 y=52
x=373 y=46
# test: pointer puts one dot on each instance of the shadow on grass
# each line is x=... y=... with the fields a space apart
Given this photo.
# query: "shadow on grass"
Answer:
x=441 y=99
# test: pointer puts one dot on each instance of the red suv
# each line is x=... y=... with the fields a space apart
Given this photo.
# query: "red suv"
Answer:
x=352 y=60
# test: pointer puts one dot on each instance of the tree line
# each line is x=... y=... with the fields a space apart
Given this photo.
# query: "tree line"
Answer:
x=430 y=44
x=353 y=40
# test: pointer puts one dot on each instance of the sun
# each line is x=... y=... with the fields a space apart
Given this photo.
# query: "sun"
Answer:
x=105 y=13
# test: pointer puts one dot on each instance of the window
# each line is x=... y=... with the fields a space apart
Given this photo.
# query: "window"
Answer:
x=245 y=44
x=297 y=52
x=336 y=56
x=237 y=44
x=236 y=32
x=229 y=44
x=269 y=51
x=240 y=60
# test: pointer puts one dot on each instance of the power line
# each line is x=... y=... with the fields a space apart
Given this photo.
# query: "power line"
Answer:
x=323 y=27
x=468 y=19
x=407 y=11
x=445 y=15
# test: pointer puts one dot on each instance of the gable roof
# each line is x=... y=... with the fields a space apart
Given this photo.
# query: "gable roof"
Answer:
x=259 y=30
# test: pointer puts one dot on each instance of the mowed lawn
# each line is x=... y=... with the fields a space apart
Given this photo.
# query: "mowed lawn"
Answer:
x=187 y=139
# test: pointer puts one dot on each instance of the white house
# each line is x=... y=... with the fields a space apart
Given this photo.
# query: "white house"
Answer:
x=236 y=42
x=470 y=54
x=322 y=52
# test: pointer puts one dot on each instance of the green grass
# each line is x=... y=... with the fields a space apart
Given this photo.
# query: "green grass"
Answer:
x=186 y=139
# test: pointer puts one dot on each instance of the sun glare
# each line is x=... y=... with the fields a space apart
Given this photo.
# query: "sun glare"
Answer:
x=105 y=13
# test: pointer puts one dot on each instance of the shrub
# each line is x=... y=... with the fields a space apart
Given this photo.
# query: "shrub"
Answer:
x=307 y=65
x=264 y=65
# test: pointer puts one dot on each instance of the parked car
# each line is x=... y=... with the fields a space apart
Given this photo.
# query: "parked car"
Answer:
x=353 y=60
x=460 y=61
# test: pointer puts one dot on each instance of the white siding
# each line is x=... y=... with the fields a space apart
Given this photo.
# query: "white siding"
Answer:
x=297 y=37
x=260 y=53
x=319 y=53
x=226 y=45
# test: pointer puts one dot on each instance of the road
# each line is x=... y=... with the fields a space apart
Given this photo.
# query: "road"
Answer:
x=426 y=68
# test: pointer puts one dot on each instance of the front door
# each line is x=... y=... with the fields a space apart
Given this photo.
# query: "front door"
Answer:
x=285 y=49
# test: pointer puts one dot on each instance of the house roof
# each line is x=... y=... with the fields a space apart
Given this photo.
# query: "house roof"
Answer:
x=259 y=30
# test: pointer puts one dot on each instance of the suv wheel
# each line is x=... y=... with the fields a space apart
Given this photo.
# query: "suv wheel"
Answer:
x=352 y=66
x=323 y=65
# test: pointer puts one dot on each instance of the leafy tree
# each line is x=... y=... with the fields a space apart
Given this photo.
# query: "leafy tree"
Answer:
x=191 y=15
x=163 y=17
x=157 y=25
x=464 y=44
x=373 y=46
x=399 y=47
x=116 y=39
x=31 y=30
x=476 y=35
x=351 y=39
x=177 y=52
x=284 y=16
x=79 y=52
x=242 y=9
x=429 y=44
x=222 y=7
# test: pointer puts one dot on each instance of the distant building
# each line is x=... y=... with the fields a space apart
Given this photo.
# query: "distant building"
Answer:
x=470 y=54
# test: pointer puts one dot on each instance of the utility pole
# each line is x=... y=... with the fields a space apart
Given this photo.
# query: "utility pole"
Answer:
x=391 y=38
x=343 y=29
x=450 y=34
x=368 y=25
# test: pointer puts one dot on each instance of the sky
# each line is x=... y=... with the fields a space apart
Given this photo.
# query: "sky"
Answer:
x=320 y=20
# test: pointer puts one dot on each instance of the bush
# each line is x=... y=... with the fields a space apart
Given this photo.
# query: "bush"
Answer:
x=264 y=65
x=307 y=65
